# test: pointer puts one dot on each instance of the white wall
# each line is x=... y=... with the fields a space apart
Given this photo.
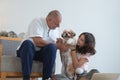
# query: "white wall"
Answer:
x=100 y=17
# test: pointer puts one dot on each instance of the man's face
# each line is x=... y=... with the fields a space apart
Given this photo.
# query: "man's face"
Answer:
x=54 y=22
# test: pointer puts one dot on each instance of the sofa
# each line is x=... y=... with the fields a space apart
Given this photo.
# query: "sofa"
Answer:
x=10 y=65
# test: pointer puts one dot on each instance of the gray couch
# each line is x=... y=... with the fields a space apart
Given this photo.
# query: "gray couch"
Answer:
x=10 y=65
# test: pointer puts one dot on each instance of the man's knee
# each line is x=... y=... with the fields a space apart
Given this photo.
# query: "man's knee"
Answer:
x=51 y=49
x=27 y=43
x=27 y=48
x=52 y=46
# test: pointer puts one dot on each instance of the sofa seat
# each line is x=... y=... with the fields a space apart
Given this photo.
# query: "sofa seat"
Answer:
x=13 y=64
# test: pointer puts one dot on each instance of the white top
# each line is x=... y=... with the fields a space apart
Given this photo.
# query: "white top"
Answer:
x=39 y=28
x=87 y=56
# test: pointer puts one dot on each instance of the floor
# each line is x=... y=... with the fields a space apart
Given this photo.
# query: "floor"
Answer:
x=16 y=79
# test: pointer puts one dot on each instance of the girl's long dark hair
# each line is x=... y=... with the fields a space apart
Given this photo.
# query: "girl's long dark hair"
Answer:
x=89 y=46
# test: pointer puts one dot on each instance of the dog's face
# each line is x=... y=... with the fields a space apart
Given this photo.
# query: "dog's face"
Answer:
x=68 y=34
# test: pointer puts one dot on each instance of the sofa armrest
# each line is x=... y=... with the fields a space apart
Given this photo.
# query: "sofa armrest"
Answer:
x=9 y=45
x=0 y=54
x=10 y=38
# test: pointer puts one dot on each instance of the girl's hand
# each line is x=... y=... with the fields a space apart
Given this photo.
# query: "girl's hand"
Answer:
x=83 y=60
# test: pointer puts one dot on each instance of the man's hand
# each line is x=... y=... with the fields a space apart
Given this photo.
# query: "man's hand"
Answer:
x=62 y=47
x=59 y=40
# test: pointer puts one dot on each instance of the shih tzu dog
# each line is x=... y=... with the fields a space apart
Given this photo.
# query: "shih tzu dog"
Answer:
x=69 y=39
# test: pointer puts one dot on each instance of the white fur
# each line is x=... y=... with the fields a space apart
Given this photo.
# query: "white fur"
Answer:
x=71 y=41
x=79 y=70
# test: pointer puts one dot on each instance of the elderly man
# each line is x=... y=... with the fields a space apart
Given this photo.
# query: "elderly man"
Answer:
x=41 y=43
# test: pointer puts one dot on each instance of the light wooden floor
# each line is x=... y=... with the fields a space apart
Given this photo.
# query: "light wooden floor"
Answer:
x=18 y=79
x=13 y=79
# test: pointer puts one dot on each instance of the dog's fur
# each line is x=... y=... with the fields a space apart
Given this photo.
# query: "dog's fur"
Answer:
x=68 y=38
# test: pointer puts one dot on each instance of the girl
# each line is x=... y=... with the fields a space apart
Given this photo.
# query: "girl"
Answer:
x=80 y=55
x=85 y=48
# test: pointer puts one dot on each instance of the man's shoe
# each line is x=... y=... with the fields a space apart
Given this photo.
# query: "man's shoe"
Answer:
x=26 y=79
x=49 y=79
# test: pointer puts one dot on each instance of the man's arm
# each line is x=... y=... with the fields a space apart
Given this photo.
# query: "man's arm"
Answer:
x=39 y=42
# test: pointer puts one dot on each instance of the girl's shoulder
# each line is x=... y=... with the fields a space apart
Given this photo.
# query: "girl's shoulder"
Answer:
x=87 y=55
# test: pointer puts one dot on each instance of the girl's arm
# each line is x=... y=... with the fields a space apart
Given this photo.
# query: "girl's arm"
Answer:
x=77 y=63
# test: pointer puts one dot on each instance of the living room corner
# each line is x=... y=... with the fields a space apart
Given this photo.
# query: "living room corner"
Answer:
x=100 y=17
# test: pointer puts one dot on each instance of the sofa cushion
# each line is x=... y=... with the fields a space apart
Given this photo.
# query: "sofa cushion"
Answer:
x=13 y=64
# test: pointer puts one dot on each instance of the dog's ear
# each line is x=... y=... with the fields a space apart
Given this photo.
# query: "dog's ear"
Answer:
x=62 y=35
x=73 y=33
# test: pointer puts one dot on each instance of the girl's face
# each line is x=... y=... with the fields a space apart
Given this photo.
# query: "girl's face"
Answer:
x=81 y=41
